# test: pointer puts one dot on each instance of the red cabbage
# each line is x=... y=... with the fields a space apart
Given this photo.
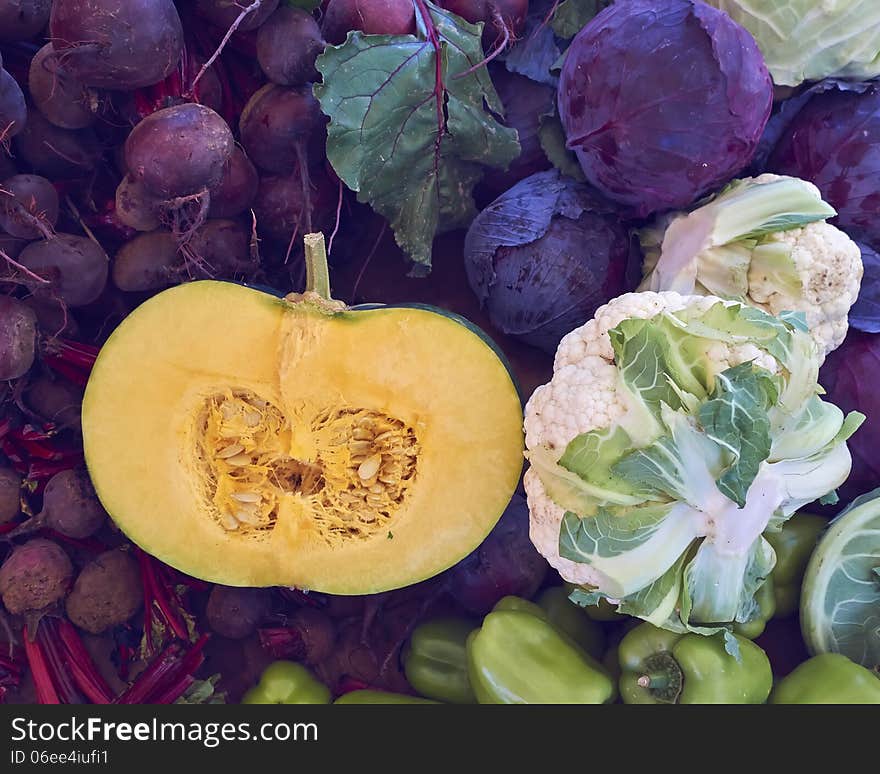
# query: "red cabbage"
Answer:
x=834 y=141
x=850 y=376
x=864 y=315
x=545 y=255
x=663 y=101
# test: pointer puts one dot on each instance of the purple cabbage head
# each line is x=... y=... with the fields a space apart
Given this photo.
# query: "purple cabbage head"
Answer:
x=834 y=141
x=850 y=376
x=545 y=255
x=663 y=101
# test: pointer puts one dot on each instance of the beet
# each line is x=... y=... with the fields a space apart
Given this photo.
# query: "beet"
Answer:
x=10 y=494
x=136 y=207
x=106 y=593
x=279 y=207
x=147 y=262
x=179 y=151
x=13 y=110
x=503 y=20
x=23 y=19
x=28 y=206
x=235 y=613
x=70 y=505
x=223 y=13
x=54 y=152
x=75 y=266
x=55 y=400
x=57 y=93
x=236 y=189
x=278 y=125
x=117 y=44
x=221 y=248
x=374 y=17
x=287 y=46
x=37 y=574
x=18 y=336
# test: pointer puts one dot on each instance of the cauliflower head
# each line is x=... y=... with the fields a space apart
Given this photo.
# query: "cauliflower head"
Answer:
x=765 y=241
x=586 y=394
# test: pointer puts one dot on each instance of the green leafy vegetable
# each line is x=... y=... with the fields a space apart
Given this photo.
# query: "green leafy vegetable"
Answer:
x=572 y=15
x=412 y=125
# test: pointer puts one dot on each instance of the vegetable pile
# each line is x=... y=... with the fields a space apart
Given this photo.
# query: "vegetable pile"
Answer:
x=589 y=418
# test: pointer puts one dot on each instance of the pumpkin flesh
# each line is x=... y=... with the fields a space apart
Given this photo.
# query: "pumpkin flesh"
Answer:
x=251 y=441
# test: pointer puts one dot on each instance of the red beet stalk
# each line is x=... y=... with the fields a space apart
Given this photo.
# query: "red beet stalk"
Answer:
x=168 y=676
x=82 y=668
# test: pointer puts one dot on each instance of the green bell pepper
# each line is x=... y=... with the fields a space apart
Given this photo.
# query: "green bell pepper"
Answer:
x=435 y=660
x=765 y=596
x=572 y=620
x=517 y=657
x=830 y=678
x=286 y=682
x=793 y=545
x=663 y=667
x=380 y=697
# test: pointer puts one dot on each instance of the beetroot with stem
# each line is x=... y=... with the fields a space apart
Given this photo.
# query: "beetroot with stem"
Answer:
x=70 y=507
x=224 y=13
x=36 y=574
x=13 y=110
x=58 y=94
x=235 y=613
x=235 y=191
x=373 y=17
x=57 y=153
x=179 y=151
x=18 y=334
x=287 y=46
x=23 y=19
x=106 y=593
x=28 y=206
x=117 y=44
x=76 y=267
x=10 y=494
x=280 y=126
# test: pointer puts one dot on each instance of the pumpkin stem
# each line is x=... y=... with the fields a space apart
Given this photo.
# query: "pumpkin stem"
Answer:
x=317 y=273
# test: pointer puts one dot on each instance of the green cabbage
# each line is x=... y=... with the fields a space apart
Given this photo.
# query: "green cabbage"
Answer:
x=808 y=40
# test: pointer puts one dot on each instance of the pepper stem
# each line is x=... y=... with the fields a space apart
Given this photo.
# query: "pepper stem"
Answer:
x=317 y=273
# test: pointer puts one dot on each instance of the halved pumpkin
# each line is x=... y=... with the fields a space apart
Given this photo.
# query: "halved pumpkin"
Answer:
x=256 y=441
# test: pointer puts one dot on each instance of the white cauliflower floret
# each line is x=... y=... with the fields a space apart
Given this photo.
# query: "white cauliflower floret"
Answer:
x=581 y=397
x=829 y=264
x=584 y=394
x=545 y=517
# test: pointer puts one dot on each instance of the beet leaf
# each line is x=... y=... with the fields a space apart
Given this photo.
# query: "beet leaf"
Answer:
x=412 y=125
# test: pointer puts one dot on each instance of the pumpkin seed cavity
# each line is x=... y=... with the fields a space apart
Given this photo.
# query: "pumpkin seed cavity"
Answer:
x=365 y=463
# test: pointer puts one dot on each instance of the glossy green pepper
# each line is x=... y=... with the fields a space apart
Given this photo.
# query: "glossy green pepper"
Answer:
x=286 y=682
x=380 y=697
x=517 y=657
x=829 y=678
x=765 y=596
x=435 y=660
x=571 y=619
x=663 y=667
x=793 y=545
